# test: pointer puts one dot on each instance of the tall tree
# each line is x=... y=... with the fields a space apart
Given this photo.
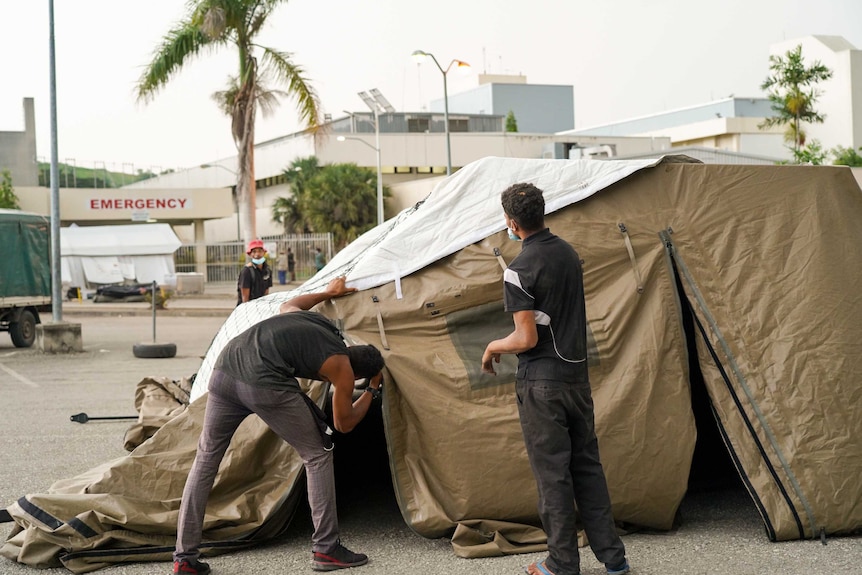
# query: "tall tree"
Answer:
x=791 y=88
x=287 y=210
x=214 y=24
x=511 y=122
x=8 y=199
x=336 y=198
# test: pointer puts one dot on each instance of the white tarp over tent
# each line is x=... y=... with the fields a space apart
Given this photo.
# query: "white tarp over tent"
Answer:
x=448 y=221
x=100 y=255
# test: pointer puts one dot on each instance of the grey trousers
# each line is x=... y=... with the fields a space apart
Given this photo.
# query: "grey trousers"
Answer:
x=559 y=431
x=229 y=402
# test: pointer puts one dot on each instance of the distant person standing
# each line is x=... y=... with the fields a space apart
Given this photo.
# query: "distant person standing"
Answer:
x=544 y=291
x=281 y=266
x=291 y=265
x=255 y=279
x=319 y=259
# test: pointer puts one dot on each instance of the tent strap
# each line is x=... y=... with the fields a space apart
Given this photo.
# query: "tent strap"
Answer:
x=634 y=261
x=740 y=377
x=383 y=340
x=499 y=255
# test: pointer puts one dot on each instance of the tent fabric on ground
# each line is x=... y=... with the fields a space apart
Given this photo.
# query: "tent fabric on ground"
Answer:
x=157 y=401
x=98 y=255
x=759 y=265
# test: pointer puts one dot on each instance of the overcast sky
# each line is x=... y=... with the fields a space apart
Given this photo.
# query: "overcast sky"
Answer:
x=625 y=58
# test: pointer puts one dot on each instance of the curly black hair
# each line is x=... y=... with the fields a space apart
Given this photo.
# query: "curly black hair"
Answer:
x=525 y=204
x=366 y=360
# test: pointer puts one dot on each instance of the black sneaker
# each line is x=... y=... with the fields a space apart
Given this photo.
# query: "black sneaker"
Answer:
x=191 y=567
x=339 y=558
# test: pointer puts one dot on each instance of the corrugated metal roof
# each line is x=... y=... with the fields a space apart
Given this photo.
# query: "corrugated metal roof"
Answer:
x=708 y=156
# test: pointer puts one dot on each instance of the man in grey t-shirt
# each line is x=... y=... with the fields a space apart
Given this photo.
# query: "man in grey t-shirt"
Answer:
x=257 y=373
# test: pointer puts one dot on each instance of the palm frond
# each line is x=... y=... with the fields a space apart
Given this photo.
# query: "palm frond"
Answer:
x=226 y=98
x=177 y=47
x=214 y=22
x=267 y=100
x=283 y=70
x=260 y=14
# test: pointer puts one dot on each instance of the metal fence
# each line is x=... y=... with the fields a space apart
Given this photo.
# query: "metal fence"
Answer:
x=223 y=261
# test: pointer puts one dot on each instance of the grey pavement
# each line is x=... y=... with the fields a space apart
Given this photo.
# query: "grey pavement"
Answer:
x=720 y=531
x=217 y=299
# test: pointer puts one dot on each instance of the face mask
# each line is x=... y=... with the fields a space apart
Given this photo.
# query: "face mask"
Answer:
x=257 y=261
x=512 y=235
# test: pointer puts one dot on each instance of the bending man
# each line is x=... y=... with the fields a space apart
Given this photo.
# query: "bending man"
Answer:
x=256 y=373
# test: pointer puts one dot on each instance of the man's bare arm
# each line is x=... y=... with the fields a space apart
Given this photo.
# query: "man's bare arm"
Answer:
x=346 y=413
x=336 y=288
x=524 y=337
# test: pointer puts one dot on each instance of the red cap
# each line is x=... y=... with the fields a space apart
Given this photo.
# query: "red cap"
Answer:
x=254 y=244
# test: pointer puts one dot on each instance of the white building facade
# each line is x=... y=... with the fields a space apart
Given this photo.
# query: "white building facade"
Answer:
x=732 y=124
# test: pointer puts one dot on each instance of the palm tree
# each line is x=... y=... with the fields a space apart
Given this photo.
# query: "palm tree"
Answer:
x=792 y=91
x=342 y=200
x=213 y=24
x=287 y=210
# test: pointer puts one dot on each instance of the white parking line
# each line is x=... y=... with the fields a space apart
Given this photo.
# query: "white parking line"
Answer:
x=18 y=376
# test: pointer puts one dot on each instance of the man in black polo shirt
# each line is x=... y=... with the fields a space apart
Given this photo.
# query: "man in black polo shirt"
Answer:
x=544 y=289
x=257 y=373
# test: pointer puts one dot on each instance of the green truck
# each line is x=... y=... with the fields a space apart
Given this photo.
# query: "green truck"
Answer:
x=25 y=274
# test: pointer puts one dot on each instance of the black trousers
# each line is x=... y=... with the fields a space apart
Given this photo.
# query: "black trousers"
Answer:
x=559 y=431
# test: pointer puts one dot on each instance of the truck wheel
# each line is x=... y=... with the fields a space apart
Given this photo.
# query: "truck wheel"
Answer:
x=154 y=350
x=23 y=331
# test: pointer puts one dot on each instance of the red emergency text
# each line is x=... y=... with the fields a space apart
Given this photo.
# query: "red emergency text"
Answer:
x=139 y=203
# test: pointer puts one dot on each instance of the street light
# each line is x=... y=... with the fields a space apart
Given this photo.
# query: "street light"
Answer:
x=376 y=102
x=235 y=198
x=205 y=166
x=379 y=172
x=419 y=56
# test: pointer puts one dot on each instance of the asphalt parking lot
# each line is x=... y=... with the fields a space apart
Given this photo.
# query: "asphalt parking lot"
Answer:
x=720 y=531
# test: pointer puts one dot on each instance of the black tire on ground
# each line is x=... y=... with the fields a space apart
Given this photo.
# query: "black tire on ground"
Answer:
x=154 y=350
x=23 y=331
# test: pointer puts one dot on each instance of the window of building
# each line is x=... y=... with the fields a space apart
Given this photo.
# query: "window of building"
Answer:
x=418 y=125
x=459 y=125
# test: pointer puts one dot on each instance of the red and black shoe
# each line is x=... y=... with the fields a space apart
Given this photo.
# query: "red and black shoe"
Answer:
x=338 y=558
x=191 y=567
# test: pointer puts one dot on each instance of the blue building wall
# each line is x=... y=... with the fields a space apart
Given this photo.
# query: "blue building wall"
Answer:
x=538 y=108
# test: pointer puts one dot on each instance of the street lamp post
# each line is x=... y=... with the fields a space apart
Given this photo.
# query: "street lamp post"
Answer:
x=376 y=102
x=56 y=275
x=379 y=169
x=419 y=56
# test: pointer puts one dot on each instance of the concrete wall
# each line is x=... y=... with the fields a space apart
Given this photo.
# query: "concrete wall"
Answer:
x=406 y=194
x=18 y=150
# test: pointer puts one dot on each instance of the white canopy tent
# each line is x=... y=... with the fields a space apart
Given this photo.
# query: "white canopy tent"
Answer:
x=100 y=255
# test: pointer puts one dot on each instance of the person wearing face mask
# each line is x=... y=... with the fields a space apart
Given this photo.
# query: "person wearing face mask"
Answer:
x=543 y=289
x=255 y=279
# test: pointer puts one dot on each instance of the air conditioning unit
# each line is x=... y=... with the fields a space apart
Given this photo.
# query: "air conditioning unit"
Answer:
x=592 y=152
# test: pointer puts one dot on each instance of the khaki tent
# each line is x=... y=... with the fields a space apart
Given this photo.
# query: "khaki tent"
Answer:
x=753 y=268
